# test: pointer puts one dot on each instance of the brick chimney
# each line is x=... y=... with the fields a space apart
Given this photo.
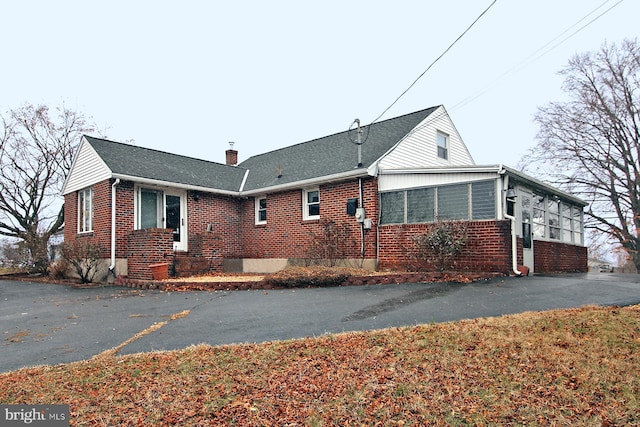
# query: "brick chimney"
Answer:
x=232 y=155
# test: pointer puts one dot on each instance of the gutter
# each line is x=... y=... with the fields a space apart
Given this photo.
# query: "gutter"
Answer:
x=158 y=183
x=357 y=173
x=112 y=266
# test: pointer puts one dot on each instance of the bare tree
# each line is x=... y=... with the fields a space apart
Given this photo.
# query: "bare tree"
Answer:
x=36 y=151
x=590 y=144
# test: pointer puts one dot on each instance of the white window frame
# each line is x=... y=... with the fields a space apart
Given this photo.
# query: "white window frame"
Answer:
x=445 y=137
x=138 y=206
x=305 y=204
x=85 y=210
x=259 y=209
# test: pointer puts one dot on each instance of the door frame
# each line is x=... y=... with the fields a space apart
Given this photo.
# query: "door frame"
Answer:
x=525 y=222
x=182 y=244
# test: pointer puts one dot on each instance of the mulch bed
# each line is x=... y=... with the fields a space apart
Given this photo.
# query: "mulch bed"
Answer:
x=356 y=280
x=222 y=285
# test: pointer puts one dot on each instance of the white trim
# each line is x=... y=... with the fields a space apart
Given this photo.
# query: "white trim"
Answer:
x=167 y=184
x=313 y=182
x=257 y=209
x=447 y=148
x=183 y=244
x=81 y=218
x=244 y=180
x=305 y=204
x=114 y=205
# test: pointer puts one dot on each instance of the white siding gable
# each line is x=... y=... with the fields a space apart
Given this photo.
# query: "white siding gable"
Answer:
x=419 y=148
x=87 y=169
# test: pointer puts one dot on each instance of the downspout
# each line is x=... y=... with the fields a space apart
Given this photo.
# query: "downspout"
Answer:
x=112 y=266
x=362 y=248
x=512 y=219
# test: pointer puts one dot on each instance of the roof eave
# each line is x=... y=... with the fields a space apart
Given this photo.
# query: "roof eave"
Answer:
x=356 y=173
x=533 y=181
x=160 y=183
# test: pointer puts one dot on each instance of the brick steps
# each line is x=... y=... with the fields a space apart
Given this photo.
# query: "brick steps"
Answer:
x=185 y=265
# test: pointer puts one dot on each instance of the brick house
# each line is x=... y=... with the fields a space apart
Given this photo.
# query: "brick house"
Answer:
x=145 y=206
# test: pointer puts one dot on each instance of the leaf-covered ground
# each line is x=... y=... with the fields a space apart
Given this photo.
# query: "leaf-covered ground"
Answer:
x=566 y=367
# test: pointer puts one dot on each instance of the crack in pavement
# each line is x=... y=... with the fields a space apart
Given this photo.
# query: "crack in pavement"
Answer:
x=157 y=325
x=391 y=304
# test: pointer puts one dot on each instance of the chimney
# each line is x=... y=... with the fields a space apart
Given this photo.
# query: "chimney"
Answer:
x=232 y=155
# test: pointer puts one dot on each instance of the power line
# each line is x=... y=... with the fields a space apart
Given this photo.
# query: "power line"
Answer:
x=534 y=56
x=434 y=62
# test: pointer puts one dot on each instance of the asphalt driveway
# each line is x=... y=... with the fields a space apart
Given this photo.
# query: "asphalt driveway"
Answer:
x=51 y=324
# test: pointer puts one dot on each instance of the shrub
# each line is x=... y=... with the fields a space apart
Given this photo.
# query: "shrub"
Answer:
x=303 y=277
x=59 y=269
x=84 y=257
x=442 y=243
x=332 y=243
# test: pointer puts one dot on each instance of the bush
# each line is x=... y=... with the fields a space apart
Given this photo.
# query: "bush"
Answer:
x=331 y=244
x=59 y=269
x=442 y=243
x=84 y=257
x=303 y=277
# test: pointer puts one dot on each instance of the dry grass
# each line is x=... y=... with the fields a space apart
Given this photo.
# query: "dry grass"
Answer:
x=565 y=367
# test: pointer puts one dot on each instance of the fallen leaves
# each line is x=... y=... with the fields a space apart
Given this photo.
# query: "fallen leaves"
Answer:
x=561 y=367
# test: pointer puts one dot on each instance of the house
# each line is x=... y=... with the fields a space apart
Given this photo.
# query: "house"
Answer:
x=144 y=206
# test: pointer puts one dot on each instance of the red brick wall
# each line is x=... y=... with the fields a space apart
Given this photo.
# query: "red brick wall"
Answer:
x=217 y=215
x=557 y=257
x=488 y=249
x=287 y=235
x=146 y=247
x=234 y=234
x=101 y=233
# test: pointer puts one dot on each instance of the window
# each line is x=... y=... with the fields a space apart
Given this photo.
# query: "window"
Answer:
x=261 y=210
x=85 y=210
x=419 y=205
x=311 y=204
x=443 y=145
x=577 y=226
x=553 y=215
x=453 y=201
x=566 y=223
x=557 y=220
x=149 y=208
x=392 y=207
x=538 y=216
x=483 y=200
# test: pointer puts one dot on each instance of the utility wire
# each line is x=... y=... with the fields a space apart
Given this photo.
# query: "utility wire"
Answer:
x=540 y=52
x=434 y=62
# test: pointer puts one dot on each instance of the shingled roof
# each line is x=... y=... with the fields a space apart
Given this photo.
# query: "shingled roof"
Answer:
x=132 y=161
x=330 y=155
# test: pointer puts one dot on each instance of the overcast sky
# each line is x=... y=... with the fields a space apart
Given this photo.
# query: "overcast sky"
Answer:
x=188 y=77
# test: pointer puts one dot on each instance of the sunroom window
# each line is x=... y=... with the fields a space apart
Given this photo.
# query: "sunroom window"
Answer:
x=420 y=205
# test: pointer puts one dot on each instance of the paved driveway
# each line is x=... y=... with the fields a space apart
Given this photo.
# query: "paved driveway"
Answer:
x=51 y=324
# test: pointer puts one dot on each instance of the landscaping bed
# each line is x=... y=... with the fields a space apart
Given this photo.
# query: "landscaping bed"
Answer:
x=302 y=277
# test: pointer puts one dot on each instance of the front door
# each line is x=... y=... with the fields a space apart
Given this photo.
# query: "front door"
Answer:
x=525 y=228
x=175 y=218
